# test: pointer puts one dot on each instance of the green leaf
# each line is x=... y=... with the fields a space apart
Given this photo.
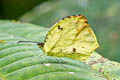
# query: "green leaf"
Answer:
x=110 y=69
x=24 y=61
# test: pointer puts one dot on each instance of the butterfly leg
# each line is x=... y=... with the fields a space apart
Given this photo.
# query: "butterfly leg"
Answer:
x=57 y=59
x=62 y=60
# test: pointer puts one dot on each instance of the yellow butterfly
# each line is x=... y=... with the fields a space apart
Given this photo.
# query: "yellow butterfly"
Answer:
x=71 y=37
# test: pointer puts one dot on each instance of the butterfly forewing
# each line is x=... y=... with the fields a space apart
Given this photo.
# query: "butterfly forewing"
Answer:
x=71 y=37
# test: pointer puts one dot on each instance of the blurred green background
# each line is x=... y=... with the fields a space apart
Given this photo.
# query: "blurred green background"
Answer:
x=103 y=16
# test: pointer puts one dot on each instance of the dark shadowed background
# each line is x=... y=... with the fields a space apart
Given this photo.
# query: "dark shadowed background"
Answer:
x=103 y=16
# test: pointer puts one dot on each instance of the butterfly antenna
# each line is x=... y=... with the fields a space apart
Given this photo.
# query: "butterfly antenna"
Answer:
x=38 y=43
x=27 y=42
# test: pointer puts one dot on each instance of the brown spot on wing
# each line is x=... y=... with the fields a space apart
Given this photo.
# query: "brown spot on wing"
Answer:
x=60 y=27
x=85 y=20
x=81 y=16
x=68 y=16
x=78 y=16
x=74 y=50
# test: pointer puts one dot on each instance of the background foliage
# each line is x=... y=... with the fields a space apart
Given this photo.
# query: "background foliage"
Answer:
x=102 y=15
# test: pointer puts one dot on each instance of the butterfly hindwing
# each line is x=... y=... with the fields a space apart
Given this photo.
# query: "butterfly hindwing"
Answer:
x=71 y=37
